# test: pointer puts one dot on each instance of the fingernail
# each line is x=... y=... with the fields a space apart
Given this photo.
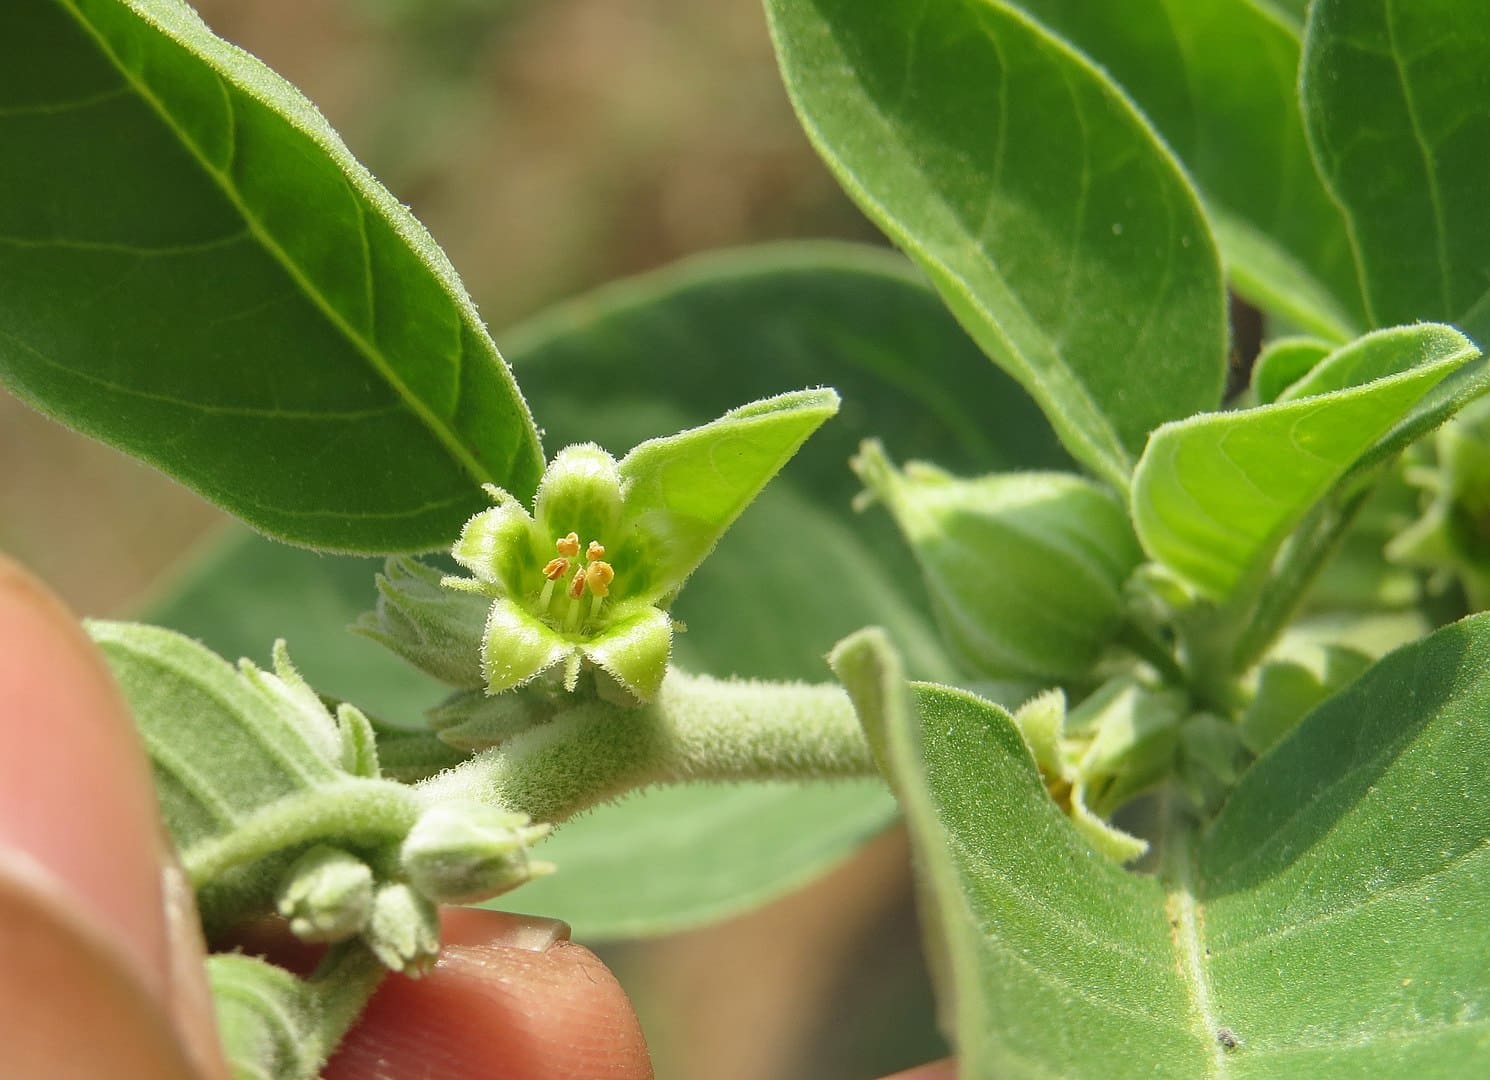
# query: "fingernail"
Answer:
x=473 y=926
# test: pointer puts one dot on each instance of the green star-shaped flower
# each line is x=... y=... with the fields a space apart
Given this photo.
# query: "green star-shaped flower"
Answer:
x=588 y=575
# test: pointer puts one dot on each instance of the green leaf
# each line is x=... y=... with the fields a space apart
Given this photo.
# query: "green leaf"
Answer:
x=198 y=273
x=1056 y=226
x=1218 y=79
x=1215 y=495
x=1397 y=104
x=687 y=489
x=1025 y=570
x=1061 y=963
x=1344 y=887
x=1328 y=924
x=681 y=857
x=1283 y=363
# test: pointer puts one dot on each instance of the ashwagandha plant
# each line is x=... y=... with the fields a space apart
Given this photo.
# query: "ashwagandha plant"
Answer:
x=1195 y=760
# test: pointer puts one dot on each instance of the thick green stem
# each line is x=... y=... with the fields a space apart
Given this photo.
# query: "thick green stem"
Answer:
x=698 y=729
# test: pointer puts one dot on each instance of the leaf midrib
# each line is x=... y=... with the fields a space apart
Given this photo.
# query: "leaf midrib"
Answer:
x=367 y=349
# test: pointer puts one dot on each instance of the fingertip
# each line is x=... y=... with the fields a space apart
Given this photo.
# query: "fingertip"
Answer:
x=510 y=997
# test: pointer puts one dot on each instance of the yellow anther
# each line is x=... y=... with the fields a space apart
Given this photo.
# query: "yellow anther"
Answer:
x=577 y=586
x=596 y=550
x=555 y=569
x=568 y=546
x=598 y=576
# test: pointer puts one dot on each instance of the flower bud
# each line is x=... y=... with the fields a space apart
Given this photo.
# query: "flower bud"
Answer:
x=404 y=930
x=463 y=854
x=327 y=895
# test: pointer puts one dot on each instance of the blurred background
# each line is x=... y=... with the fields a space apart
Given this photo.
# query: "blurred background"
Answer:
x=550 y=147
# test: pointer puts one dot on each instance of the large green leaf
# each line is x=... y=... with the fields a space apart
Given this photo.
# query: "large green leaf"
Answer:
x=1056 y=226
x=1215 y=495
x=198 y=272
x=1219 y=79
x=1328 y=924
x=1397 y=104
x=1344 y=890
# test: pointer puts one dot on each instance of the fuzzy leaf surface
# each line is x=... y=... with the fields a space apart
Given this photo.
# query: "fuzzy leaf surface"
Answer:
x=198 y=272
x=1056 y=226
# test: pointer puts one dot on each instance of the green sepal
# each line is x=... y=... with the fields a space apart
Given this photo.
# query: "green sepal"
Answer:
x=1287 y=688
x=1211 y=758
x=436 y=629
x=359 y=742
x=1133 y=736
x=1025 y=570
x=474 y=720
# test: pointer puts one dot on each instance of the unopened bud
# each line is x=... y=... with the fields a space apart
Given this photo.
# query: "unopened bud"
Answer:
x=463 y=854
x=327 y=895
x=404 y=931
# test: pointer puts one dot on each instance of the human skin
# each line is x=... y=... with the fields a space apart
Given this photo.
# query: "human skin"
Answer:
x=103 y=973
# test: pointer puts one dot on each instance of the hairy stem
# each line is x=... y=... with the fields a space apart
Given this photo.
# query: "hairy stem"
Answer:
x=342 y=984
x=698 y=729
x=360 y=811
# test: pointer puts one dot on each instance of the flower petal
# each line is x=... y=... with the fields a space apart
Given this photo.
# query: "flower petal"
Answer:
x=581 y=493
x=633 y=650
x=518 y=647
x=500 y=546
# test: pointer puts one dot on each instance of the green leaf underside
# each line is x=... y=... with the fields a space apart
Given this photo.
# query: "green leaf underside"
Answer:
x=1218 y=79
x=1057 y=228
x=1397 y=104
x=680 y=857
x=199 y=273
x=1215 y=495
x=1331 y=919
x=747 y=324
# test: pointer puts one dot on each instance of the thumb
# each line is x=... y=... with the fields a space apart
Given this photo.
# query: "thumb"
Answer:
x=84 y=926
